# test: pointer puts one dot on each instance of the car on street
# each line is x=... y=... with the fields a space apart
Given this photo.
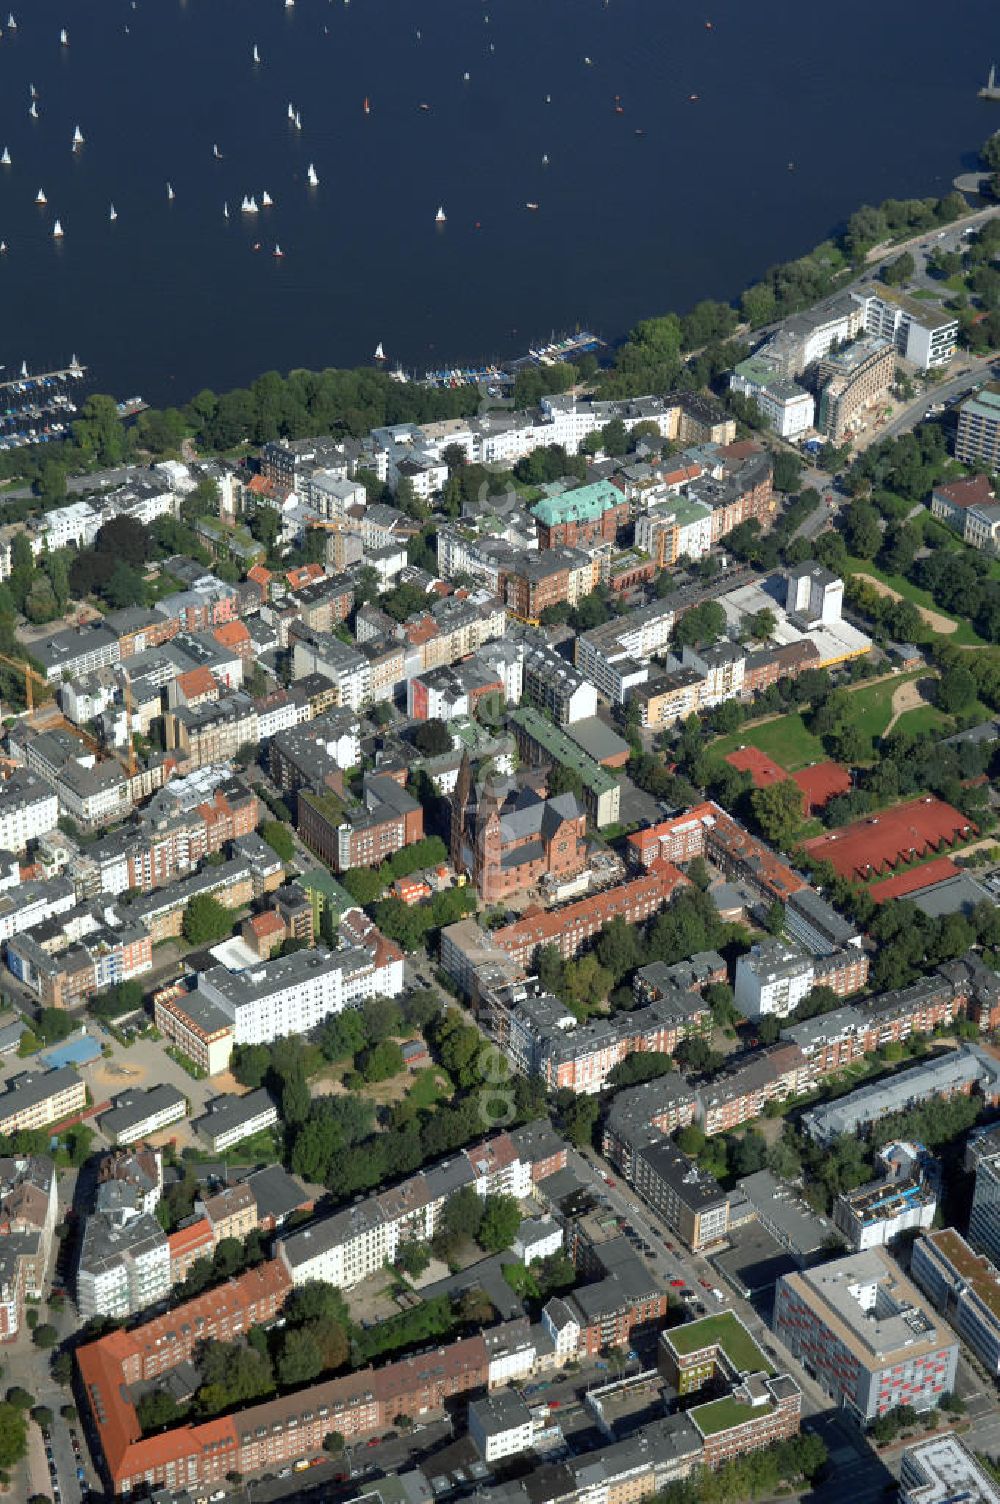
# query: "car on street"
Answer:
x=704 y=1284
x=678 y=1284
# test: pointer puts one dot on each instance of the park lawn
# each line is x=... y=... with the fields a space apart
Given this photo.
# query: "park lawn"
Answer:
x=872 y=705
x=430 y=1086
x=793 y=746
x=786 y=739
x=964 y=636
x=924 y=718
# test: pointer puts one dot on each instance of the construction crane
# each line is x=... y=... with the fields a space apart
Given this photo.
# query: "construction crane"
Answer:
x=31 y=676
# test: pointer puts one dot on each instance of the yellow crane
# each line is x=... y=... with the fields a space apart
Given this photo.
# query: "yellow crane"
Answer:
x=31 y=676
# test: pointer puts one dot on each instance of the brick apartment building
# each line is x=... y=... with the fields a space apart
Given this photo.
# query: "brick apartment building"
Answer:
x=570 y=928
x=508 y=839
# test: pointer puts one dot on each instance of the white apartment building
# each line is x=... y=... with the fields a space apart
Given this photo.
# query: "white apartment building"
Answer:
x=76 y=525
x=501 y=1426
x=122 y=1269
x=27 y=904
x=137 y=1114
x=772 y=978
x=349 y=669
x=29 y=808
x=281 y=713
x=329 y=495
x=615 y=656
x=352 y=1243
x=922 y=334
x=691 y=521
x=942 y=1470
x=290 y=994
x=788 y=409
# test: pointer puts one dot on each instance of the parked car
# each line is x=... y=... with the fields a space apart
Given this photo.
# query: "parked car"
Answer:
x=678 y=1284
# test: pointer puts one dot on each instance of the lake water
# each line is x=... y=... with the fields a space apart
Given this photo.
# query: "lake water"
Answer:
x=866 y=100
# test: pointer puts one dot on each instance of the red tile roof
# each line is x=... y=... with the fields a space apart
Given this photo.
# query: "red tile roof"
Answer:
x=186 y=1238
x=232 y=634
x=268 y=923
x=260 y=575
x=197 y=681
x=880 y=842
x=304 y=574
x=917 y=877
x=976 y=491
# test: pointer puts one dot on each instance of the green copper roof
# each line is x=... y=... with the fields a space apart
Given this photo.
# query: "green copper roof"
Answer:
x=585 y=504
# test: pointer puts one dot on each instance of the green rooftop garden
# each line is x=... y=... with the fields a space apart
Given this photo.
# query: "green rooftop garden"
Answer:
x=726 y=1331
x=722 y=1415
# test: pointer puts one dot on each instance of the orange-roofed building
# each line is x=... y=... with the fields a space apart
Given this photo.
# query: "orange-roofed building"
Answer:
x=304 y=574
x=259 y=485
x=234 y=635
x=263 y=577
x=411 y=890
x=188 y=1244
x=264 y=933
x=197 y=686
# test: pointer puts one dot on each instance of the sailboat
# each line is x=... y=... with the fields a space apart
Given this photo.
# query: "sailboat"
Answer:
x=5 y=159
x=466 y=77
x=64 y=37
x=113 y=214
x=367 y=106
x=249 y=205
x=40 y=197
x=11 y=22
x=3 y=247
x=33 y=110
x=440 y=217
x=170 y=193
x=991 y=90
x=277 y=252
x=298 y=121
x=77 y=137
x=291 y=110
x=216 y=153
x=225 y=211
x=256 y=54
x=266 y=200
x=57 y=230
x=311 y=177
x=289 y=4
x=379 y=352
x=545 y=159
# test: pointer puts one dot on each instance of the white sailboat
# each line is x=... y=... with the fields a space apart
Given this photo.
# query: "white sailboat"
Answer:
x=277 y=252
x=440 y=217
x=249 y=205
x=57 y=230
x=291 y=110
x=225 y=211
x=24 y=370
x=311 y=177
x=171 y=195
x=64 y=37
x=11 y=22
x=40 y=197
x=289 y=4
x=545 y=159
x=256 y=54
x=113 y=215
x=379 y=352
x=33 y=110
x=3 y=247
x=216 y=153
x=32 y=91
x=5 y=159
x=298 y=121
x=77 y=137
x=266 y=200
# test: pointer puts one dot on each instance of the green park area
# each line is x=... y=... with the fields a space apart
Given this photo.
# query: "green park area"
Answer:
x=964 y=634
x=788 y=740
